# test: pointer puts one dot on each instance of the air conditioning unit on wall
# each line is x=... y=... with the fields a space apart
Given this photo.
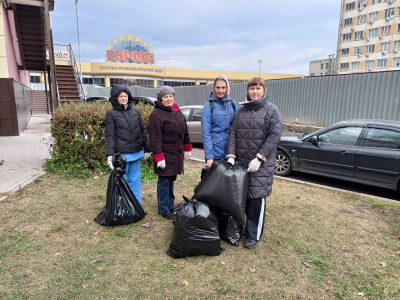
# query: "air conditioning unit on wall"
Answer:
x=395 y=50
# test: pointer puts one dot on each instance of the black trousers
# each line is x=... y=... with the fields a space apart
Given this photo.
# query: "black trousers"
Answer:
x=255 y=212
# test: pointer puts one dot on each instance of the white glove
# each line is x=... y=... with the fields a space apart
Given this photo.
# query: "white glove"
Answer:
x=109 y=162
x=231 y=160
x=161 y=164
x=187 y=154
x=147 y=155
x=254 y=165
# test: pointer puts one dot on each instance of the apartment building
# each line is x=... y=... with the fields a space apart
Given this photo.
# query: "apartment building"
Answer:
x=369 y=36
x=322 y=67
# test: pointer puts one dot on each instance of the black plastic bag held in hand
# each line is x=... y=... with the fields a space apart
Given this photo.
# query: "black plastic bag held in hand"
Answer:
x=225 y=188
x=122 y=207
x=195 y=231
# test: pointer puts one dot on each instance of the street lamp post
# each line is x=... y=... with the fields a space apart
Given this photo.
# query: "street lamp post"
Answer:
x=79 y=45
x=259 y=71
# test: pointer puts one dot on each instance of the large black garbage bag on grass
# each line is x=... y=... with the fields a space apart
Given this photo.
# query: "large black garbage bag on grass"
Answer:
x=230 y=229
x=122 y=207
x=225 y=188
x=195 y=231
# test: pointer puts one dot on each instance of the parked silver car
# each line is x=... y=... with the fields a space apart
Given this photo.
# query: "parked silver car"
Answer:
x=192 y=114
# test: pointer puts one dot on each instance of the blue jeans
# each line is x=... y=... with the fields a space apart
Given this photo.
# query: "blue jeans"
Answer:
x=133 y=176
x=165 y=194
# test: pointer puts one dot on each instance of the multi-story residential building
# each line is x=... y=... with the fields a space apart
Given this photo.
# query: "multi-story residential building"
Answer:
x=369 y=36
x=322 y=67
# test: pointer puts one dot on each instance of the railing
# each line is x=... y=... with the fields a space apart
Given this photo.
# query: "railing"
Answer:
x=77 y=71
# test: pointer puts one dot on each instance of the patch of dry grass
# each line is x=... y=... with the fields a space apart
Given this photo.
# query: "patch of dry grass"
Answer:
x=317 y=244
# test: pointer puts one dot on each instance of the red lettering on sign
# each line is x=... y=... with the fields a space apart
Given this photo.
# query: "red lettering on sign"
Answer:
x=136 y=56
x=119 y=55
x=110 y=55
x=151 y=58
x=143 y=57
x=127 y=55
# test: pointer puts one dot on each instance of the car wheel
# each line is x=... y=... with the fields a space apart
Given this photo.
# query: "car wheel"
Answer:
x=283 y=165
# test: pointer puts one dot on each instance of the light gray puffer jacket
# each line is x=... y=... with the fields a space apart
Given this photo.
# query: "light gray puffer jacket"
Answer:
x=256 y=131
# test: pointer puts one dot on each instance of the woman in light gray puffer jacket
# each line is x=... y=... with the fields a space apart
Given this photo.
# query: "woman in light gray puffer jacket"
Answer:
x=254 y=136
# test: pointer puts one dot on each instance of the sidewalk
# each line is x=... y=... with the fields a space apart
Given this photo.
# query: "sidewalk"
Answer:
x=23 y=156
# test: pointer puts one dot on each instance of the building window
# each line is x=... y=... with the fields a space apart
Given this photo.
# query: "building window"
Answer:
x=373 y=16
x=396 y=62
x=389 y=12
x=344 y=67
x=149 y=83
x=178 y=83
x=346 y=37
x=398 y=28
x=396 y=45
x=361 y=19
x=381 y=63
x=98 y=81
x=34 y=79
x=385 y=30
x=362 y=4
x=345 y=52
x=348 y=22
x=87 y=80
x=322 y=66
x=373 y=32
x=369 y=64
x=355 y=65
x=350 y=6
x=358 y=35
x=312 y=74
x=385 y=46
x=358 y=50
x=370 y=49
x=376 y=2
x=327 y=65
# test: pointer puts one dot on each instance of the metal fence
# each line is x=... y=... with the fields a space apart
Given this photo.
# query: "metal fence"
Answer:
x=314 y=101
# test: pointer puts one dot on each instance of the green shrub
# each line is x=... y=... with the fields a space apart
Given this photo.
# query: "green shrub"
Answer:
x=79 y=142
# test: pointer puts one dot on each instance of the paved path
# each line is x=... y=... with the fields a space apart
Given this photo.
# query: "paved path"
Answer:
x=23 y=156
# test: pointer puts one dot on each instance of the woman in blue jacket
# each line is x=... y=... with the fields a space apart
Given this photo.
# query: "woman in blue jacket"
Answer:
x=216 y=120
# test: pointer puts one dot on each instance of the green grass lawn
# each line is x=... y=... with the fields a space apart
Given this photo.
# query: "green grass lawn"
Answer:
x=317 y=244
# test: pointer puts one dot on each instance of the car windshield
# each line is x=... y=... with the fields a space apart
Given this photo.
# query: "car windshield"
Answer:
x=307 y=135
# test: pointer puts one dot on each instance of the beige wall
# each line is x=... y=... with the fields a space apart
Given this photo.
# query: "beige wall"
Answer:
x=157 y=72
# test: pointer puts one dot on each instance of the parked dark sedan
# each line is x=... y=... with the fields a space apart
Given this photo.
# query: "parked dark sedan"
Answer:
x=363 y=151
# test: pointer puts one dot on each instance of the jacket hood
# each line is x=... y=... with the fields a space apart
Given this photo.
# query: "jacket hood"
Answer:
x=115 y=91
x=228 y=87
x=212 y=98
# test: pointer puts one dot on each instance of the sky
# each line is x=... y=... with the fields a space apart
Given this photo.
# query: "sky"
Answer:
x=225 y=35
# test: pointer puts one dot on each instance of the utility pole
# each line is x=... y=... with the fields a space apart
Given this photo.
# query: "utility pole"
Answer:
x=259 y=71
x=79 y=45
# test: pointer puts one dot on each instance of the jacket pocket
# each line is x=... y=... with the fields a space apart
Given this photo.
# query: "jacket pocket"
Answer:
x=169 y=153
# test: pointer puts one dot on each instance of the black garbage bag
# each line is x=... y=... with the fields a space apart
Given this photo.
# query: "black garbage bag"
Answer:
x=195 y=231
x=230 y=229
x=225 y=188
x=121 y=207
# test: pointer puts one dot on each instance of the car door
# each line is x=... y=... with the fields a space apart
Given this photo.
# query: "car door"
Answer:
x=331 y=153
x=191 y=124
x=195 y=126
x=378 y=157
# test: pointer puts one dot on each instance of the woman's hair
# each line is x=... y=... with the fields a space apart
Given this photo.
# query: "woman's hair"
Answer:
x=256 y=81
